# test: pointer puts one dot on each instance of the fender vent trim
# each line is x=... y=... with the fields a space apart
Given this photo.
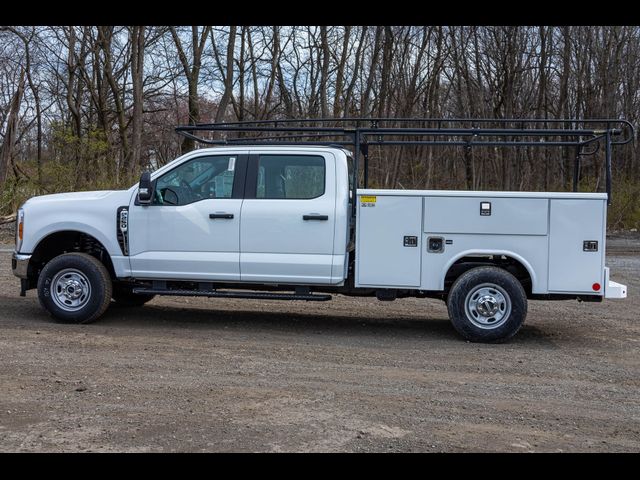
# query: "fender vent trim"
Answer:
x=122 y=229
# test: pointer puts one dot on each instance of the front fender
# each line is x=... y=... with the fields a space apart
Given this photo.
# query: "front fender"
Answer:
x=110 y=244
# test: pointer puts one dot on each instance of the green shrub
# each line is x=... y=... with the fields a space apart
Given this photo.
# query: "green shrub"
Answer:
x=624 y=211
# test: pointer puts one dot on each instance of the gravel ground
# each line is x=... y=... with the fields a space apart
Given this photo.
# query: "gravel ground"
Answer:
x=183 y=374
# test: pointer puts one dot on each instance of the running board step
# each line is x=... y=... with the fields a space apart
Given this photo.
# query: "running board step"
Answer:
x=224 y=294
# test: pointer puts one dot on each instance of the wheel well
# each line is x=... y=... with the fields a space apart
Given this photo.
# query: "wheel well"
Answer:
x=66 y=242
x=510 y=264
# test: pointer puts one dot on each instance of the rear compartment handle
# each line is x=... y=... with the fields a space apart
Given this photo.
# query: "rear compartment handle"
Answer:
x=315 y=217
x=221 y=215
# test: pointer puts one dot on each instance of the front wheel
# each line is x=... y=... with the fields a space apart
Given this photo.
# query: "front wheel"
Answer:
x=74 y=288
x=487 y=304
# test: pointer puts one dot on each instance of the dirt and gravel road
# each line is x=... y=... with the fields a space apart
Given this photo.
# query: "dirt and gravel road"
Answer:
x=185 y=374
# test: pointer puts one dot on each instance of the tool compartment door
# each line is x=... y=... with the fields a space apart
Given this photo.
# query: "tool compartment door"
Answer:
x=389 y=241
x=505 y=216
x=574 y=266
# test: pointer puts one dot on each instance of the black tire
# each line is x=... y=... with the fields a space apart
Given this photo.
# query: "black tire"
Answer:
x=487 y=304
x=90 y=271
x=123 y=296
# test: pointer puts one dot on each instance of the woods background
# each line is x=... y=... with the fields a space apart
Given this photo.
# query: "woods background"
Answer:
x=90 y=107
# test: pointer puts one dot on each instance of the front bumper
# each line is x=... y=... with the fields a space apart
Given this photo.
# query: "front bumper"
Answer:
x=20 y=264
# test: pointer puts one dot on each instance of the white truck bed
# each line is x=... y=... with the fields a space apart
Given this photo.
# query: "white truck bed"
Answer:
x=558 y=237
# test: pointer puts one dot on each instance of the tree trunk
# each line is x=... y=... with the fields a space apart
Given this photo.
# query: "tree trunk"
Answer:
x=228 y=80
x=6 y=149
x=191 y=71
x=137 y=73
x=324 y=72
x=337 y=103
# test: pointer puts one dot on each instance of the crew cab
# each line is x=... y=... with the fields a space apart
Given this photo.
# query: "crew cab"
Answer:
x=286 y=222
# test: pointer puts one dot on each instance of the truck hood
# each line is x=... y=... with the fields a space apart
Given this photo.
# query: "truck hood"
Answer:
x=73 y=197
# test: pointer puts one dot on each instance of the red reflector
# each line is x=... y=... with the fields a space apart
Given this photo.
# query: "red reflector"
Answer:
x=596 y=286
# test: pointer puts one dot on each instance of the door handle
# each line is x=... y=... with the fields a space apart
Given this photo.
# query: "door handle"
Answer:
x=315 y=217
x=221 y=215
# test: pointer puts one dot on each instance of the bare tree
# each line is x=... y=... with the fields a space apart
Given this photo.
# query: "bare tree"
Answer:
x=137 y=76
x=6 y=150
x=95 y=104
x=191 y=67
x=228 y=73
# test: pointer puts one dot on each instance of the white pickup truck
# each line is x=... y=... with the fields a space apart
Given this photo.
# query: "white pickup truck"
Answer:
x=279 y=222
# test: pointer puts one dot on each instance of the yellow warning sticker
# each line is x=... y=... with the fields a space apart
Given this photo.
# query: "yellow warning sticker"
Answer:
x=368 y=199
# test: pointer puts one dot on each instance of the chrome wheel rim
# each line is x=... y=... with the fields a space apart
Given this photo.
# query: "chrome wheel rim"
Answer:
x=70 y=289
x=488 y=306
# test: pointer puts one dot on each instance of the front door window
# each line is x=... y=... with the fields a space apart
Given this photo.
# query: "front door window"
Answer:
x=198 y=179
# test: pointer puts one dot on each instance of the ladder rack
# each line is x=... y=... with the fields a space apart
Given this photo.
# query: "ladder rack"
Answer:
x=584 y=136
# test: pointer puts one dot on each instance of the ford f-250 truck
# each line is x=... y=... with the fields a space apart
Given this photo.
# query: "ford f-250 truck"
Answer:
x=264 y=219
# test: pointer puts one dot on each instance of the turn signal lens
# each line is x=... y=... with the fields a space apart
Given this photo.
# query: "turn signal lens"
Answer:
x=19 y=229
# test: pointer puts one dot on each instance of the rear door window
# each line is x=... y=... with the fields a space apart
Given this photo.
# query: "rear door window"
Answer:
x=291 y=176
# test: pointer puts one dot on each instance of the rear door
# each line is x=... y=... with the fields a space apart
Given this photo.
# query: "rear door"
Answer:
x=288 y=218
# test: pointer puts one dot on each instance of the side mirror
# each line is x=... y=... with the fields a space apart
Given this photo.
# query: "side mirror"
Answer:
x=145 y=189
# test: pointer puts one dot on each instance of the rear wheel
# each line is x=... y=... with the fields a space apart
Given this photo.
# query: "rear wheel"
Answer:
x=74 y=288
x=487 y=304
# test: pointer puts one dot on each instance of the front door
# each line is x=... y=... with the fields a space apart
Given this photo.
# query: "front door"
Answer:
x=191 y=231
x=288 y=218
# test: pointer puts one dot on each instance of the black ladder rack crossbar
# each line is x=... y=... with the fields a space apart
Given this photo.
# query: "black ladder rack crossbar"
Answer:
x=360 y=133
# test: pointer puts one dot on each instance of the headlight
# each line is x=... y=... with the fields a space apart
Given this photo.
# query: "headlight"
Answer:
x=19 y=229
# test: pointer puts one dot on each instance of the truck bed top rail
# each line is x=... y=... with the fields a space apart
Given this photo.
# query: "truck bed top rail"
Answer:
x=584 y=136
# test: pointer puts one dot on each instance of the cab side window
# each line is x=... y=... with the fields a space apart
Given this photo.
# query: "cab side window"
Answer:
x=198 y=179
x=290 y=176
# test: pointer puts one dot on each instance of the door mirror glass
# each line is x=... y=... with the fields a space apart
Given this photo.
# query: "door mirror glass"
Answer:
x=145 y=189
x=170 y=197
